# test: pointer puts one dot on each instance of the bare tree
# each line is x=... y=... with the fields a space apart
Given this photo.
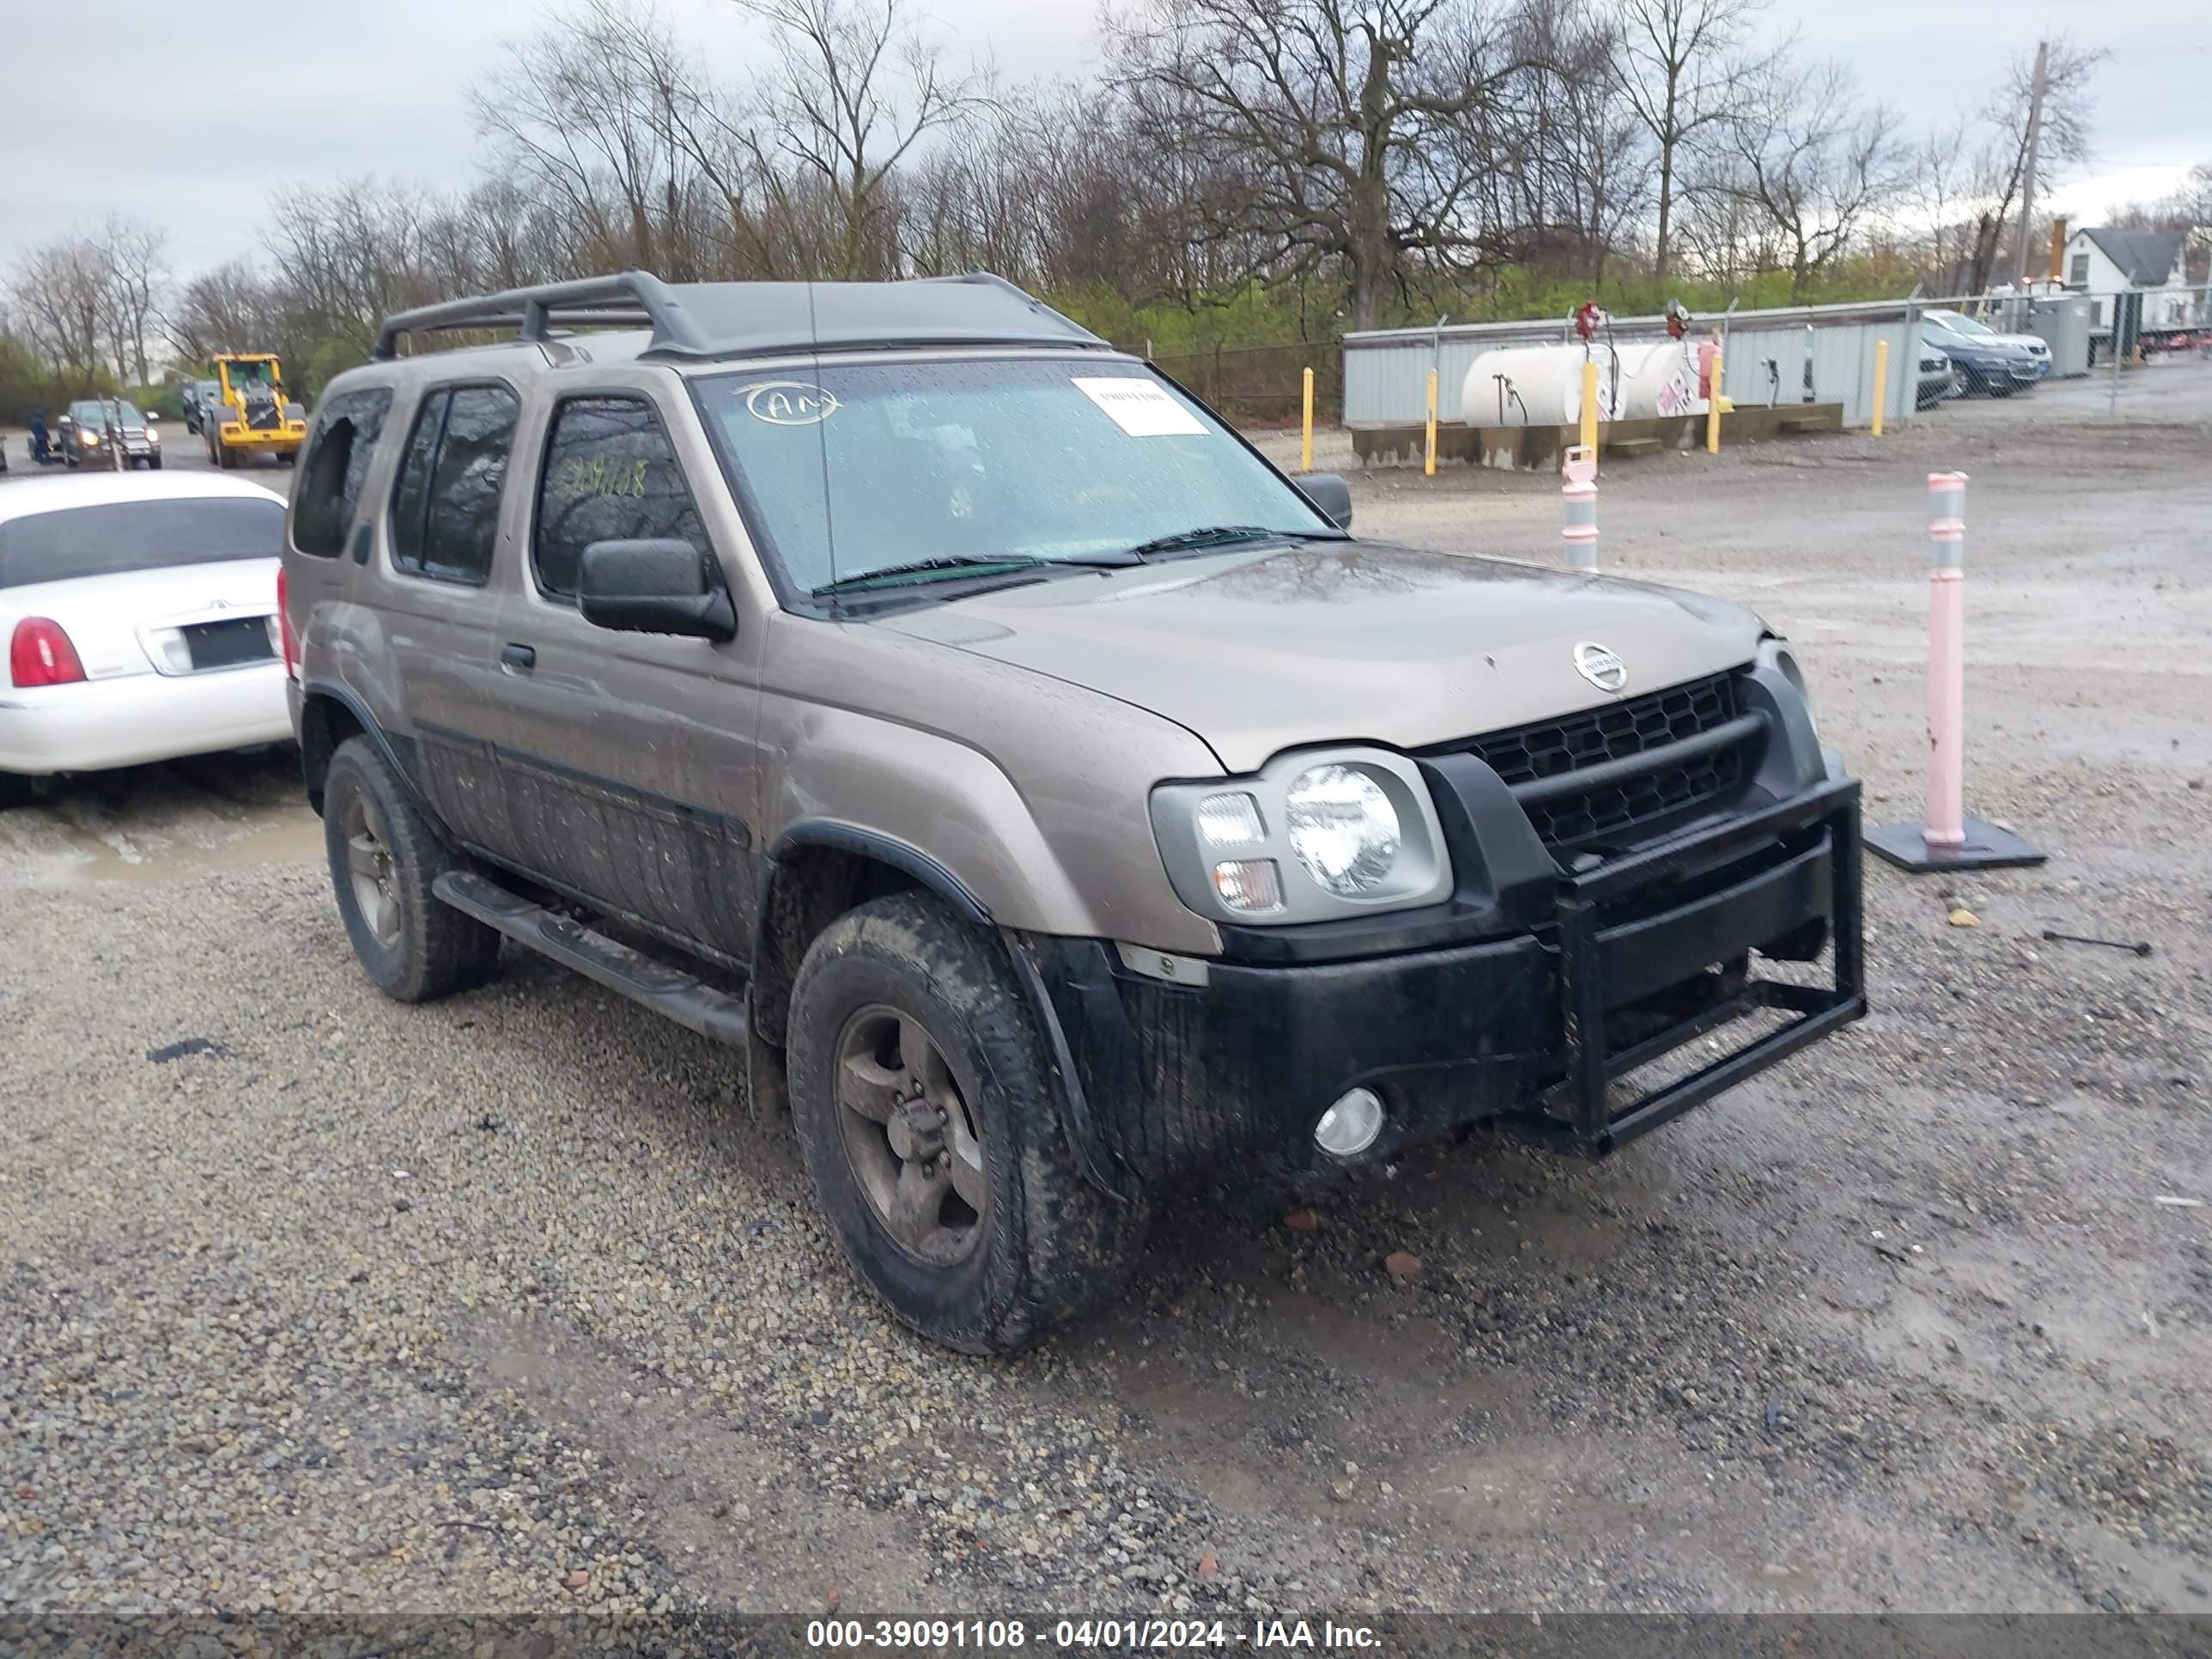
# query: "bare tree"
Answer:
x=134 y=255
x=59 y=295
x=600 y=109
x=1584 y=154
x=2001 y=165
x=229 y=308
x=1329 y=136
x=857 y=84
x=2191 y=204
x=1942 y=190
x=1812 y=164
x=1682 y=69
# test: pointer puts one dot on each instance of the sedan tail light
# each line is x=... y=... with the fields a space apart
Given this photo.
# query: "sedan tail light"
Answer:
x=39 y=654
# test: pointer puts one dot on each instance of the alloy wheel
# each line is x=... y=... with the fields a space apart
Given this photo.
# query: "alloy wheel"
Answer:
x=909 y=1135
x=368 y=865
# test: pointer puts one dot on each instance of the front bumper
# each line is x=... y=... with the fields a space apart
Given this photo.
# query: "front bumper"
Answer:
x=1639 y=956
x=95 y=725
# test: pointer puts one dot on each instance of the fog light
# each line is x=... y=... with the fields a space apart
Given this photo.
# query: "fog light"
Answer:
x=1349 y=1127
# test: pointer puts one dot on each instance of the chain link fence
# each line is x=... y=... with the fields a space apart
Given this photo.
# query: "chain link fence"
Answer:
x=1263 y=385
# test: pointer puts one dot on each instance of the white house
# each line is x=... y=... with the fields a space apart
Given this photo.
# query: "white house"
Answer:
x=2101 y=262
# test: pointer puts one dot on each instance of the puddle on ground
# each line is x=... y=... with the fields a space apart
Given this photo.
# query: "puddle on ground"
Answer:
x=290 y=835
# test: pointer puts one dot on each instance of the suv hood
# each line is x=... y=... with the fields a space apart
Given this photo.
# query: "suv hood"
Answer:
x=1260 y=650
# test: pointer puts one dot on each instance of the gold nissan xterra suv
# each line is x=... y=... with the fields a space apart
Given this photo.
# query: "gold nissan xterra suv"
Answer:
x=1056 y=804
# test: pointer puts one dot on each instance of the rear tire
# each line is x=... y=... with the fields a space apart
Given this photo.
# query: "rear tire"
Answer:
x=1044 y=1246
x=384 y=856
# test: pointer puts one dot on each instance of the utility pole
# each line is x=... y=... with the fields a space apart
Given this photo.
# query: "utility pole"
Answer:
x=2028 y=174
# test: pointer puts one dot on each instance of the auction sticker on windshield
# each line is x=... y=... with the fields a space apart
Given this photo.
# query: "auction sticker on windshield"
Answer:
x=1142 y=408
x=790 y=403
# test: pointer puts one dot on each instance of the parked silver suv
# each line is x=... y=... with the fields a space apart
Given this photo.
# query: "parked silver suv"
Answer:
x=1057 y=804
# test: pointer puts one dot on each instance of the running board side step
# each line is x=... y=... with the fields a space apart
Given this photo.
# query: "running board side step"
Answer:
x=690 y=1001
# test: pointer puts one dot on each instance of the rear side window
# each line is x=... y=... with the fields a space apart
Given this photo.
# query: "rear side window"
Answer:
x=610 y=475
x=338 y=464
x=117 y=538
x=445 y=508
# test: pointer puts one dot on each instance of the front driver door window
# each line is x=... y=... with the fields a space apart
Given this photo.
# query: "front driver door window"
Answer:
x=627 y=761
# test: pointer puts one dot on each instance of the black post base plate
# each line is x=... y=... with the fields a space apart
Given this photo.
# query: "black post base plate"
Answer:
x=1986 y=847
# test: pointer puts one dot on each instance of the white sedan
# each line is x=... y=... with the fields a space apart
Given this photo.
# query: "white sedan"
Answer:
x=140 y=617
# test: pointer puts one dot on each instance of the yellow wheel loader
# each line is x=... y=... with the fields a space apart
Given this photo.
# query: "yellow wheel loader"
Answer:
x=250 y=414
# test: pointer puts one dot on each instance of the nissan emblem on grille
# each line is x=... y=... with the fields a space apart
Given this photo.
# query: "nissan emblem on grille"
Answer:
x=1600 y=666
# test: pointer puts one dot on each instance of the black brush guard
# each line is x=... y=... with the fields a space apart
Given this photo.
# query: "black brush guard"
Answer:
x=1596 y=961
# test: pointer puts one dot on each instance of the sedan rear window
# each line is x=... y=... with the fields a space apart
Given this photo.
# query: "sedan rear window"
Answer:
x=117 y=538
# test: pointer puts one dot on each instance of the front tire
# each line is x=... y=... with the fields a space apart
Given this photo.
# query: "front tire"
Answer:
x=384 y=856
x=928 y=1121
x=17 y=791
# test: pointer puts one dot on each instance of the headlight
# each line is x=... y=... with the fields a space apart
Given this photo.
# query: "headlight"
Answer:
x=1311 y=836
x=1343 y=829
x=89 y=440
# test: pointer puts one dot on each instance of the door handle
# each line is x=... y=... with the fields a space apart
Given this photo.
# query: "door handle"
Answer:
x=362 y=539
x=523 y=657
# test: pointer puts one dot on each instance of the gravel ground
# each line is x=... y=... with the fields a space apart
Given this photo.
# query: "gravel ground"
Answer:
x=507 y=1304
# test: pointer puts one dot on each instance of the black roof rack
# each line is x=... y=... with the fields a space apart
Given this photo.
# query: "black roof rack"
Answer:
x=635 y=298
x=709 y=320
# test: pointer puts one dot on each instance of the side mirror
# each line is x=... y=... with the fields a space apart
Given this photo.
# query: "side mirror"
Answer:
x=655 y=587
x=1328 y=492
x=152 y=418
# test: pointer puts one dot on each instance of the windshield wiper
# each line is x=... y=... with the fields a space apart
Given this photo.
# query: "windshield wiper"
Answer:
x=927 y=570
x=951 y=568
x=1218 y=535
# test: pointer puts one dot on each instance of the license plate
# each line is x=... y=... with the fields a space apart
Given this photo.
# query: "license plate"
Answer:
x=228 y=643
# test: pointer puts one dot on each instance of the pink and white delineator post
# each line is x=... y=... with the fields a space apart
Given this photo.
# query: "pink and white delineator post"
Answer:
x=1947 y=663
x=1946 y=838
x=1578 y=508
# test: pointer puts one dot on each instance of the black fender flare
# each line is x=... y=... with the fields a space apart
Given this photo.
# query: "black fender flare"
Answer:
x=1092 y=1155
x=870 y=844
x=347 y=700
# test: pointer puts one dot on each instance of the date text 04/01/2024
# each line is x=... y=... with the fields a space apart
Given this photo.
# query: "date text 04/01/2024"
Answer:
x=1118 y=1635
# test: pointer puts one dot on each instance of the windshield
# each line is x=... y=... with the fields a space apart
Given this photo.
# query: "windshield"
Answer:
x=860 y=467
x=91 y=414
x=253 y=373
x=118 y=536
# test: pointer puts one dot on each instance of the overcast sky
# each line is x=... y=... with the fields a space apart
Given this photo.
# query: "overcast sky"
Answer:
x=188 y=116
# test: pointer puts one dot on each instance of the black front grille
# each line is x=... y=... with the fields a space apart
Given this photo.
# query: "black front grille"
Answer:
x=1649 y=725
x=1599 y=814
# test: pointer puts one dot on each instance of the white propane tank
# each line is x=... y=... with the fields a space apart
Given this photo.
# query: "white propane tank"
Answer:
x=1531 y=385
x=1542 y=384
x=1659 y=377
